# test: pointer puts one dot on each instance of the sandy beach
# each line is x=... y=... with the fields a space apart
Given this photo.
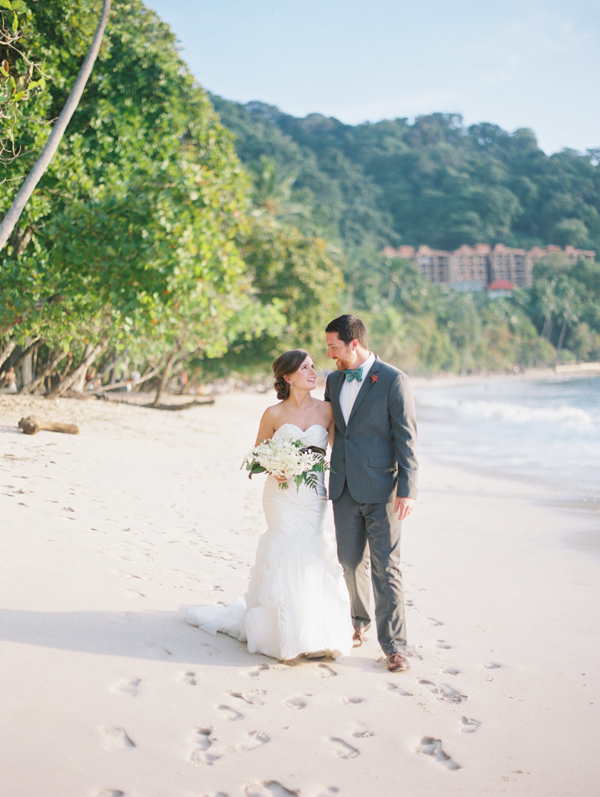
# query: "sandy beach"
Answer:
x=107 y=537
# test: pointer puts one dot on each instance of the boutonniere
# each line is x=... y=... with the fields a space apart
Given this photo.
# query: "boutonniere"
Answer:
x=373 y=378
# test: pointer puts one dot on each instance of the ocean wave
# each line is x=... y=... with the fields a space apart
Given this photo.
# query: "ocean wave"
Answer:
x=513 y=413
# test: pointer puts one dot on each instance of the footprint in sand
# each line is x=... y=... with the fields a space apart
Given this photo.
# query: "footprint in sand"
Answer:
x=450 y=671
x=444 y=693
x=282 y=665
x=296 y=702
x=231 y=713
x=189 y=678
x=202 y=741
x=269 y=788
x=343 y=749
x=117 y=739
x=252 y=697
x=353 y=700
x=325 y=671
x=109 y=793
x=127 y=688
x=362 y=731
x=399 y=690
x=256 y=739
x=492 y=666
x=433 y=747
x=132 y=593
x=469 y=725
x=433 y=621
x=441 y=643
x=255 y=672
x=156 y=648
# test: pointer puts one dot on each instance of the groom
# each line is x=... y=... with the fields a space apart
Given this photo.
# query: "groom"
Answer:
x=373 y=481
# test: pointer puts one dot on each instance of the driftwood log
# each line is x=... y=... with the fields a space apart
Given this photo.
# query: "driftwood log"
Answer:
x=186 y=406
x=33 y=424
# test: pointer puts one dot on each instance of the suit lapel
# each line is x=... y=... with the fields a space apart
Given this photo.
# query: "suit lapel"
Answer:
x=365 y=387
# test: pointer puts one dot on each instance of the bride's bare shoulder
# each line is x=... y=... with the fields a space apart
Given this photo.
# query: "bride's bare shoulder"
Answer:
x=274 y=411
x=324 y=410
x=322 y=405
x=273 y=414
x=269 y=422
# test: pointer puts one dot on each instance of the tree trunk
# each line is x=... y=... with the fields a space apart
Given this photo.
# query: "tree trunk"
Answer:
x=547 y=330
x=107 y=364
x=7 y=351
x=81 y=368
x=164 y=377
x=26 y=352
x=79 y=383
x=547 y=323
x=561 y=337
x=39 y=379
x=20 y=201
x=20 y=239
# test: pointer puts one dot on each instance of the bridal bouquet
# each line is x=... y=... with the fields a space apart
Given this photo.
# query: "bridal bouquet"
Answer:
x=289 y=459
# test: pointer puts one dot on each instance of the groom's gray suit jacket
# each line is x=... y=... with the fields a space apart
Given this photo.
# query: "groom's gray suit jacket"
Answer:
x=375 y=453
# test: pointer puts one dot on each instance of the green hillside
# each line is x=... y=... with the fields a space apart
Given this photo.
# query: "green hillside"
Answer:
x=432 y=182
x=439 y=183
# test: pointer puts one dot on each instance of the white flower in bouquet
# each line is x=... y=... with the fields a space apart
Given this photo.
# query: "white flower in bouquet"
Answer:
x=288 y=459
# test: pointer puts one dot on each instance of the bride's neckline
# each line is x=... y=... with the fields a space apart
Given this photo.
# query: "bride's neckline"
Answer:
x=304 y=431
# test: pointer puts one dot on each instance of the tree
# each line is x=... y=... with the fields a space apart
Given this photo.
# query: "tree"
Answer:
x=433 y=181
x=19 y=76
x=134 y=221
x=12 y=217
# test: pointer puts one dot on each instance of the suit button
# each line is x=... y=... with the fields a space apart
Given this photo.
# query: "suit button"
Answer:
x=347 y=437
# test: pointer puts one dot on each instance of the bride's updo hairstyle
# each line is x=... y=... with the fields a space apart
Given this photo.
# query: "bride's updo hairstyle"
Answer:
x=286 y=364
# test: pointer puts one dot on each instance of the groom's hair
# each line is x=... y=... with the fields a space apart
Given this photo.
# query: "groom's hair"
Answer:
x=349 y=328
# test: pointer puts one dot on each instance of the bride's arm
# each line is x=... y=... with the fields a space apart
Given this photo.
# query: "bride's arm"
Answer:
x=266 y=429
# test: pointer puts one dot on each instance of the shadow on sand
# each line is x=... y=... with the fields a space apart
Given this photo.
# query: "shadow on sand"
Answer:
x=161 y=636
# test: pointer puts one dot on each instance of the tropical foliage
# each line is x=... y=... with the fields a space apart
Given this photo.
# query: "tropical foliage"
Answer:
x=132 y=244
x=432 y=182
x=158 y=241
x=437 y=182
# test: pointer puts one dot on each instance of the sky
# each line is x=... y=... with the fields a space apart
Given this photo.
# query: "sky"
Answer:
x=515 y=63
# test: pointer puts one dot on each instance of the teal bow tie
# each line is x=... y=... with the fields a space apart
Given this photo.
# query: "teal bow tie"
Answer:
x=355 y=373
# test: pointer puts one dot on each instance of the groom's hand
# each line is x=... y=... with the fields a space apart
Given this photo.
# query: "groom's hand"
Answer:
x=404 y=506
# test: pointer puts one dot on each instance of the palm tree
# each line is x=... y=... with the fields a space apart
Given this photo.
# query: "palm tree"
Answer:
x=20 y=201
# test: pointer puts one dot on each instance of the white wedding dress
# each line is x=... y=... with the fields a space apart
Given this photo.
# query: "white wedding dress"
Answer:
x=297 y=601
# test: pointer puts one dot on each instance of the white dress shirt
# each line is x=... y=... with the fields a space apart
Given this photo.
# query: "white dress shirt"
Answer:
x=350 y=390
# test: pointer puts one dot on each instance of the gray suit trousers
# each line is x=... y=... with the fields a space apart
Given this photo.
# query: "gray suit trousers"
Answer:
x=356 y=525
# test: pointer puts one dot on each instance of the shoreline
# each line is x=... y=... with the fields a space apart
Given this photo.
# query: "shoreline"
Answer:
x=108 y=536
x=542 y=374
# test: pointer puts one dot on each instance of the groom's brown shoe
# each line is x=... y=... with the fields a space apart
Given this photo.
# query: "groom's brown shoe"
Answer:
x=358 y=637
x=397 y=662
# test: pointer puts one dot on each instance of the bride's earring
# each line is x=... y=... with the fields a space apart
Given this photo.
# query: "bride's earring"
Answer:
x=291 y=384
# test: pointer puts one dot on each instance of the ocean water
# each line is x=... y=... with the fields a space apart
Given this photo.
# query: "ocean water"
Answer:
x=545 y=432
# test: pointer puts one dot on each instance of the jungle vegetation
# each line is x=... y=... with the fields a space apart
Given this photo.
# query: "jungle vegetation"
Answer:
x=175 y=230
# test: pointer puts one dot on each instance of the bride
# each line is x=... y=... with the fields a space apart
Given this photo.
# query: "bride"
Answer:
x=297 y=602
